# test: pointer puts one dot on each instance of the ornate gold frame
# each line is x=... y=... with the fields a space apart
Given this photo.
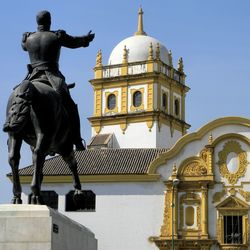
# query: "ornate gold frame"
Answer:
x=235 y=147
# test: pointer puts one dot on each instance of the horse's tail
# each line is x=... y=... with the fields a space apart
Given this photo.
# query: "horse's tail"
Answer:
x=18 y=108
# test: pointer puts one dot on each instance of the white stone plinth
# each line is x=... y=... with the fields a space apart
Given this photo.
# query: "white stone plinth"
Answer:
x=34 y=227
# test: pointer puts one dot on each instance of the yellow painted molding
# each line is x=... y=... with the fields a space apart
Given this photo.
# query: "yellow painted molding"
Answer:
x=94 y=178
x=124 y=100
x=150 y=97
x=98 y=103
x=98 y=72
x=179 y=145
x=150 y=125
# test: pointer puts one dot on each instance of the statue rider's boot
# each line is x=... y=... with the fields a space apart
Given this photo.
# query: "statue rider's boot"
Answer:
x=72 y=110
x=77 y=140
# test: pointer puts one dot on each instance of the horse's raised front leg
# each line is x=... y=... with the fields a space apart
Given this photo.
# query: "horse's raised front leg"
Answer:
x=14 y=146
x=71 y=161
x=38 y=156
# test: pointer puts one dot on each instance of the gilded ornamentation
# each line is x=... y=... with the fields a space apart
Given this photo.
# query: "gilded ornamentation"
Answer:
x=207 y=156
x=166 y=227
x=232 y=146
x=245 y=194
x=219 y=195
x=232 y=191
x=195 y=169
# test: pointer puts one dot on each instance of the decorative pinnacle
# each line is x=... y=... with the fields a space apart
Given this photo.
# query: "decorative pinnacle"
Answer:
x=170 y=58
x=210 y=139
x=157 y=52
x=99 y=58
x=181 y=65
x=140 y=30
x=125 y=55
x=150 y=52
x=174 y=172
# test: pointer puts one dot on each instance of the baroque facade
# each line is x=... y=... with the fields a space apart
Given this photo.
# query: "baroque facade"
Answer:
x=148 y=184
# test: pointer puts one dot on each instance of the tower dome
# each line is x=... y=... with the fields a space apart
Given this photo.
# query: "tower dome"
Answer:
x=137 y=47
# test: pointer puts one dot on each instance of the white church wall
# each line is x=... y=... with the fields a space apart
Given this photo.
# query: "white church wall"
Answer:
x=137 y=135
x=126 y=214
x=164 y=139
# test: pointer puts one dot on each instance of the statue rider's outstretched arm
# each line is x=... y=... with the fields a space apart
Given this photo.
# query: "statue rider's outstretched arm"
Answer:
x=74 y=41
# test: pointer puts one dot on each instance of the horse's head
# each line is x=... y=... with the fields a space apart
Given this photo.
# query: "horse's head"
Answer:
x=18 y=107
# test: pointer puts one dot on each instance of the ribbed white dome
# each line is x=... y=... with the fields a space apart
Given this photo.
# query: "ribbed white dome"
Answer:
x=138 y=50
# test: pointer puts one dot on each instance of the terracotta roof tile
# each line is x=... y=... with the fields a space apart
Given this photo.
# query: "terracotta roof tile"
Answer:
x=102 y=162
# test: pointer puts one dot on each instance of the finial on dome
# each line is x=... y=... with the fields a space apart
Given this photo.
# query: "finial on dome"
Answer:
x=99 y=58
x=181 y=65
x=125 y=55
x=170 y=58
x=157 y=52
x=140 y=30
x=150 y=52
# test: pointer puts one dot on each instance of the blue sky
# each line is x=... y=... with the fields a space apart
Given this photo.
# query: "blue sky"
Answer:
x=213 y=37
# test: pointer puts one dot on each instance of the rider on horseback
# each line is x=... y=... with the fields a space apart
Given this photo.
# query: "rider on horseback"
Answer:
x=44 y=48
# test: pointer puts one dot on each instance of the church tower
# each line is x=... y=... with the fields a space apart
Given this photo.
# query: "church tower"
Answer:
x=139 y=97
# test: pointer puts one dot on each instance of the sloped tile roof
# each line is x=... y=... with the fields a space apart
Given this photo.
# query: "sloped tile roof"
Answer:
x=101 y=162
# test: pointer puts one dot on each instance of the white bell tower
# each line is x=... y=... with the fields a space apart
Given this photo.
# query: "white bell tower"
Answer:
x=139 y=97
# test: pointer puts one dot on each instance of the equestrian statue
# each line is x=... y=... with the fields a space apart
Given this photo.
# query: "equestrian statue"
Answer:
x=40 y=110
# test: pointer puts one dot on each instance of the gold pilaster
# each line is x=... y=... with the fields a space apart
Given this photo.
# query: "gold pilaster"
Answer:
x=150 y=97
x=204 y=212
x=124 y=101
x=98 y=102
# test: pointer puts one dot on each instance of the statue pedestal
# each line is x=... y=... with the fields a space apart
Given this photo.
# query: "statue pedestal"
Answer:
x=34 y=227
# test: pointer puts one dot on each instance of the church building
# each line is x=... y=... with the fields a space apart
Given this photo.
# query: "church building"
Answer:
x=148 y=183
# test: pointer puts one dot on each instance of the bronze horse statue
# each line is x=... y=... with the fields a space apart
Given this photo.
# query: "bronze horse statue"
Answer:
x=35 y=114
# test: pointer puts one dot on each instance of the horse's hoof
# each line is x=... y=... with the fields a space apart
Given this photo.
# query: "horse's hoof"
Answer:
x=16 y=200
x=36 y=200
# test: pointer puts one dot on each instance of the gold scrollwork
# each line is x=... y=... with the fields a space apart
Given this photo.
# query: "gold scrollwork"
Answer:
x=195 y=169
x=229 y=147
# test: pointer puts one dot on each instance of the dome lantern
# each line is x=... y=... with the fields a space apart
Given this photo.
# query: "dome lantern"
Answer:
x=140 y=30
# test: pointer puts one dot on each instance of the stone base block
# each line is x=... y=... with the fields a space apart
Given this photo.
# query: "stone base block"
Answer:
x=34 y=227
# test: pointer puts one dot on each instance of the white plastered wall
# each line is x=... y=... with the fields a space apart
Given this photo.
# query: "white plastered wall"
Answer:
x=126 y=214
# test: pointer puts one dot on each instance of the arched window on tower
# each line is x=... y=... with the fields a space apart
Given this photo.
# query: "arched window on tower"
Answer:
x=111 y=102
x=176 y=107
x=137 y=99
